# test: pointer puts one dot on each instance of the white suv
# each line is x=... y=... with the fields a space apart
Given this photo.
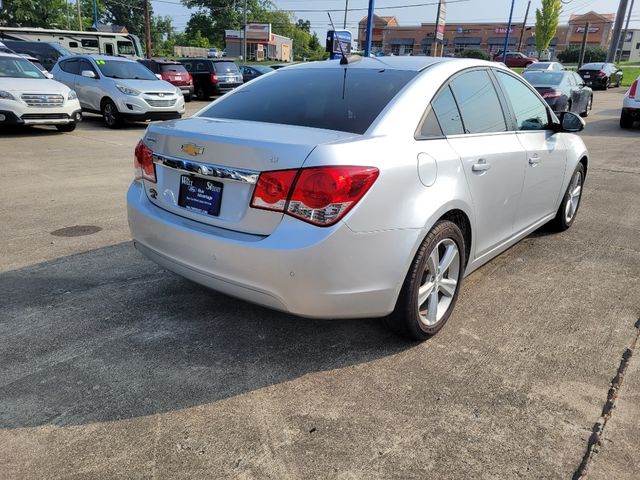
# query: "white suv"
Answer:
x=630 y=106
x=119 y=89
x=27 y=97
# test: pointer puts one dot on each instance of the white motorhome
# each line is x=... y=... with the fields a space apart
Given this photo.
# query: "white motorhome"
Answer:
x=104 y=43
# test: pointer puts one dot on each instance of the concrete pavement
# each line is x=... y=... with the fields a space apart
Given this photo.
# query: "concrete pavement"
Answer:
x=113 y=367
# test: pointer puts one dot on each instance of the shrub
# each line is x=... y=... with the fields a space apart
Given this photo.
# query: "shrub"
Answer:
x=474 y=53
x=592 y=54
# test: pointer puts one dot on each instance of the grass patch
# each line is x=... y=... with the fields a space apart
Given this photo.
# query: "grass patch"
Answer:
x=630 y=74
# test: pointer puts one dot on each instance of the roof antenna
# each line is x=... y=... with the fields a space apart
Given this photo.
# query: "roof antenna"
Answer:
x=344 y=60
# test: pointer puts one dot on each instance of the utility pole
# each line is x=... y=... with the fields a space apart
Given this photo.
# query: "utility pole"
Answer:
x=346 y=8
x=68 y=14
x=147 y=28
x=506 y=36
x=244 y=34
x=583 y=45
x=95 y=14
x=617 y=28
x=79 y=15
x=524 y=25
x=367 y=45
x=626 y=29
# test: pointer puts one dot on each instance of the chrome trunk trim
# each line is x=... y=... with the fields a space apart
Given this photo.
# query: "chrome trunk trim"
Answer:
x=206 y=170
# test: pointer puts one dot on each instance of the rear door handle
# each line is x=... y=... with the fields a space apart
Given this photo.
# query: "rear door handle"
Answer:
x=534 y=160
x=481 y=166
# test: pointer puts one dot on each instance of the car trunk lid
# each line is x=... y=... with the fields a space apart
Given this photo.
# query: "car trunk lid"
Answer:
x=199 y=158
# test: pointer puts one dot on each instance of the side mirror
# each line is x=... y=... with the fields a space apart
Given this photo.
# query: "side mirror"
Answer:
x=570 y=122
x=88 y=73
x=48 y=75
x=159 y=76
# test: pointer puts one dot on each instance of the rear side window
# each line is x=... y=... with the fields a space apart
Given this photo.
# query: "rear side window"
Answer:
x=342 y=99
x=478 y=103
x=430 y=126
x=201 y=67
x=531 y=113
x=226 y=67
x=188 y=66
x=445 y=108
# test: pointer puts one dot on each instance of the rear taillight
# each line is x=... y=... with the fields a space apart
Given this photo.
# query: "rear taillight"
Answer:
x=601 y=74
x=189 y=78
x=634 y=87
x=318 y=195
x=214 y=78
x=165 y=76
x=143 y=163
x=551 y=94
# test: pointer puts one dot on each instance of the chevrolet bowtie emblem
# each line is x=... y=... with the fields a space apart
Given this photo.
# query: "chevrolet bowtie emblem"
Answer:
x=192 y=149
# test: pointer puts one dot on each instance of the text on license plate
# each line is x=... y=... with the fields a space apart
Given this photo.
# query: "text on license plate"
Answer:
x=200 y=195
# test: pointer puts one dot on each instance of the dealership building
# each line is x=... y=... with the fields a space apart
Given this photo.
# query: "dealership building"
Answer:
x=262 y=44
x=390 y=37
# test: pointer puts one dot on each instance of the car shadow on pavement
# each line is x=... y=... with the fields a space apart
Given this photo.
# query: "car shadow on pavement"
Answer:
x=610 y=128
x=108 y=335
x=18 y=131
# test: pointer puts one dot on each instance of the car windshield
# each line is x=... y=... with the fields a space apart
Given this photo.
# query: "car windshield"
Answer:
x=172 y=67
x=543 y=78
x=592 y=66
x=125 y=70
x=341 y=99
x=18 y=68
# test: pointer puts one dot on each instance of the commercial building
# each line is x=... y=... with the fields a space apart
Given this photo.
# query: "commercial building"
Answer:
x=261 y=43
x=631 y=45
x=391 y=38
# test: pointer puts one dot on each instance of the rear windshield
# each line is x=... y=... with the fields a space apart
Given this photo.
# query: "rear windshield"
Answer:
x=172 y=67
x=226 y=67
x=592 y=66
x=543 y=78
x=342 y=99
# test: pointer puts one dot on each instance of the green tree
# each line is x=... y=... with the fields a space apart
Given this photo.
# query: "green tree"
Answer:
x=34 y=13
x=547 y=20
x=129 y=14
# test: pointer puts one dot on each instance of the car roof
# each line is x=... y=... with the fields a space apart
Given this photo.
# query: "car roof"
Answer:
x=11 y=55
x=416 y=64
x=98 y=57
x=207 y=59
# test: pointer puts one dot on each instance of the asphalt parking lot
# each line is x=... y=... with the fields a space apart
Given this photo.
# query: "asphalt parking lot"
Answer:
x=113 y=367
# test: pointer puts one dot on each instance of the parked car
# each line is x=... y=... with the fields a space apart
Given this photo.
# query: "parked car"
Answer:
x=214 y=53
x=281 y=65
x=249 y=72
x=119 y=89
x=212 y=76
x=27 y=97
x=516 y=59
x=313 y=193
x=48 y=53
x=601 y=75
x=551 y=66
x=5 y=49
x=630 y=106
x=37 y=63
x=564 y=91
x=174 y=73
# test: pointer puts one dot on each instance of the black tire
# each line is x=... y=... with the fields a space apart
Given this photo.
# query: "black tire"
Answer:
x=588 y=108
x=202 y=94
x=406 y=319
x=562 y=222
x=626 y=120
x=111 y=115
x=188 y=97
x=69 y=127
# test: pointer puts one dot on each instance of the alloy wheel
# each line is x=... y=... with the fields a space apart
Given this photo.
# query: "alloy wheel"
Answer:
x=109 y=114
x=574 y=192
x=439 y=282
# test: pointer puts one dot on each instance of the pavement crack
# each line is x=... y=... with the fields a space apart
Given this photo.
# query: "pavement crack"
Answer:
x=614 y=170
x=597 y=432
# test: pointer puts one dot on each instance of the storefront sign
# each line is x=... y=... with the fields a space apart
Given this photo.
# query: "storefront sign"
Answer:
x=504 y=30
x=441 y=19
x=258 y=31
x=591 y=29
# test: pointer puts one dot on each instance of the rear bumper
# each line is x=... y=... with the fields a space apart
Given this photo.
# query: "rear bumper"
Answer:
x=220 y=88
x=632 y=113
x=141 y=117
x=301 y=269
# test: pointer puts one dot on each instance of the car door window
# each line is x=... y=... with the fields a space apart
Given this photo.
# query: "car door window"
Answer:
x=70 y=66
x=446 y=111
x=86 y=65
x=478 y=103
x=531 y=113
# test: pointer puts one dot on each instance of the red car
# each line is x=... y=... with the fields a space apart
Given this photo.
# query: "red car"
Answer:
x=174 y=73
x=516 y=59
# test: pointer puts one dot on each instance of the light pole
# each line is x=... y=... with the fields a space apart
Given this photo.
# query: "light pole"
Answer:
x=506 y=36
x=367 y=45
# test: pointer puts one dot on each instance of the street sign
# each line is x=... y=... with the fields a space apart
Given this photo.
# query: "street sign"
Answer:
x=441 y=20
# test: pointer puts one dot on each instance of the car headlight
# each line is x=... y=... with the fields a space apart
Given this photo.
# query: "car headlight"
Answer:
x=72 y=95
x=6 y=95
x=127 y=90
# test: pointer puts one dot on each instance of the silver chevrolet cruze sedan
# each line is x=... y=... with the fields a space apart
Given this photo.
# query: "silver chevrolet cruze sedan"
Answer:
x=356 y=188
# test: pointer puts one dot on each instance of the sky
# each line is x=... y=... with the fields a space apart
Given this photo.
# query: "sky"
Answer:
x=457 y=11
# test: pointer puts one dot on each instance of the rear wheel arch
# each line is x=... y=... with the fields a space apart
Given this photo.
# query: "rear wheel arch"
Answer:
x=461 y=219
x=585 y=162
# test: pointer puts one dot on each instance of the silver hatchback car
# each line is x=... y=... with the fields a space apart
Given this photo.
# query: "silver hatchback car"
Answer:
x=366 y=188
